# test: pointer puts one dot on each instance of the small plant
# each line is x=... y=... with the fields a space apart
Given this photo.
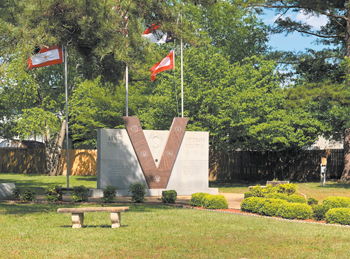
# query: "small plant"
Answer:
x=197 y=199
x=169 y=196
x=138 y=191
x=280 y=196
x=295 y=211
x=215 y=202
x=249 y=204
x=257 y=191
x=295 y=198
x=109 y=194
x=53 y=194
x=28 y=195
x=312 y=201
x=338 y=216
x=336 y=202
x=248 y=194
x=271 y=206
x=16 y=193
x=319 y=212
x=287 y=188
x=80 y=193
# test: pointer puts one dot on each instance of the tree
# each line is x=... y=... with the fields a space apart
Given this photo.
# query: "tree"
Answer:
x=335 y=33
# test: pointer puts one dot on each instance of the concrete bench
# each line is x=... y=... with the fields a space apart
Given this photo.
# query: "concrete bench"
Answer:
x=78 y=214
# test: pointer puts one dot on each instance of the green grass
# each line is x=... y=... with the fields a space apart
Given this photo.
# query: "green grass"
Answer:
x=150 y=231
x=40 y=182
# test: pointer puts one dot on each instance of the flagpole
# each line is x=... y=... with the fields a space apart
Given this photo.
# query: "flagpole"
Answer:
x=66 y=92
x=127 y=90
x=182 y=79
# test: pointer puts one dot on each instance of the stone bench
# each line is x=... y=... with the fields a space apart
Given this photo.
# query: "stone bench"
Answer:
x=78 y=214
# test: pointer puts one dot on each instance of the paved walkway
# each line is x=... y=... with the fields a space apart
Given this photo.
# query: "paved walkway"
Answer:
x=233 y=199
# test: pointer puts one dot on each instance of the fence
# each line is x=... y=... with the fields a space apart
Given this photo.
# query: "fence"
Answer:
x=256 y=166
x=231 y=166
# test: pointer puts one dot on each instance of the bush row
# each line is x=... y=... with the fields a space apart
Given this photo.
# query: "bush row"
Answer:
x=208 y=201
x=286 y=189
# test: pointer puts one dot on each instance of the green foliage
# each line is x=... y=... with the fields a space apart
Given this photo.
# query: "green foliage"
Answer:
x=295 y=198
x=271 y=206
x=269 y=189
x=319 y=212
x=249 y=204
x=312 y=201
x=248 y=194
x=80 y=193
x=53 y=194
x=287 y=188
x=28 y=194
x=336 y=202
x=169 y=196
x=197 y=199
x=109 y=194
x=16 y=193
x=280 y=196
x=338 y=216
x=215 y=202
x=257 y=191
x=138 y=191
x=295 y=211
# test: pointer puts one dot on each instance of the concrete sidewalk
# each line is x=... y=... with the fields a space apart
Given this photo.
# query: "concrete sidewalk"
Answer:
x=233 y=199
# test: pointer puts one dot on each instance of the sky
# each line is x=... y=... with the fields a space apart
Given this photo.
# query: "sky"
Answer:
x=294 y=42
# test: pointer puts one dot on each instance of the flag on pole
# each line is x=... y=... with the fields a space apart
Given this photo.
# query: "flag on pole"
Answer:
x=156 y=36
x=165 y=64
x=46 y=57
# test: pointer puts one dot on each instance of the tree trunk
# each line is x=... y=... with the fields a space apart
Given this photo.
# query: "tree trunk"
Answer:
x=346 y=172
x=53 y=152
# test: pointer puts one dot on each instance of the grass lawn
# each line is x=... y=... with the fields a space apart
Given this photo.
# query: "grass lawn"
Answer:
x=151 y=231
x=314 y=190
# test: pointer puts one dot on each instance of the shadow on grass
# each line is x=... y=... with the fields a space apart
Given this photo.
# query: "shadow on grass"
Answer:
x=22 y=209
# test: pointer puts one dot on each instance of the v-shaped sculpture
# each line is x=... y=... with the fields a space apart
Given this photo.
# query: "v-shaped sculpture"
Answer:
x=156 y=177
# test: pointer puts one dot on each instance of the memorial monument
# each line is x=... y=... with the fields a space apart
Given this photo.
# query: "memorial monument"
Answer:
x=162 y=160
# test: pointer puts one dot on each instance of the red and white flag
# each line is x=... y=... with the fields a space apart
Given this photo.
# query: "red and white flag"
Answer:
x=154 y=35
x=46 y=57
x=165 y=64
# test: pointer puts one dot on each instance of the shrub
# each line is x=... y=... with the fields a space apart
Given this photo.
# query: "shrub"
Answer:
x=109 y=194
x=287 y=188
x=257 y=191
x=295 y=211
x=80 y=193
x=312 y=201
x=197 y=199
x=169 y=196
x=215 y=202
x=338 y=216
x=53 y=194
x=270 y=206
x=250 y=203
x=138 y=191
x=319 y=211
x=336 y=202
x=280 y=196
x=248 y=194
x=269 y=189
x=16 y=193
x=28 y=195
x=295 y=198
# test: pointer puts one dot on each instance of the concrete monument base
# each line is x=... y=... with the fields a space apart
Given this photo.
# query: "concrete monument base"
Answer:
x=154 y=192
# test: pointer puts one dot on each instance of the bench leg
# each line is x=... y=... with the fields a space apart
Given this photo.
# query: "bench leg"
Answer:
x=77 y=220
x=115 y=218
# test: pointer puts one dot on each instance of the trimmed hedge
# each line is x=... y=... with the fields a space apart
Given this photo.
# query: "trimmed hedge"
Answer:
x=197 y=199
x=338 y=216
x=319 y=212
x=295 y=211
x=336 y=202
x=215 y=202
x=288 y=188
x=250 y=203
x=169 y=196
x=248 y=194
x=270 y=206
x=295 y=198
x=312 y=201
x=280 y=196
